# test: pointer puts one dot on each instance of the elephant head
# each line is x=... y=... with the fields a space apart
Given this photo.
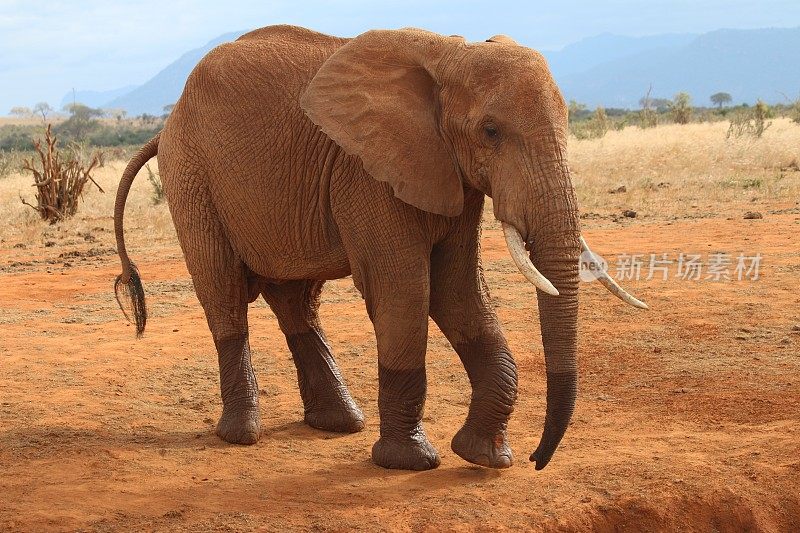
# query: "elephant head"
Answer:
x=432 y=115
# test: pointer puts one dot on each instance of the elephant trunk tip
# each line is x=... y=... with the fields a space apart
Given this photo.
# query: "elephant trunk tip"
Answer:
x=128 y=287
x=562 y=389
x=541 y=457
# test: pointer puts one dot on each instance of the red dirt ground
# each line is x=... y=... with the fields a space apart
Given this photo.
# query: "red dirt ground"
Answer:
x=687 y=418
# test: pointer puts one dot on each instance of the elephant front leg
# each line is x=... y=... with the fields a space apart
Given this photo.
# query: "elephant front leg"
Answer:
x=388 y=247
x=461 y=307
x=401 y=328
x=493 y=376
x=401 y=400
x=472 y=329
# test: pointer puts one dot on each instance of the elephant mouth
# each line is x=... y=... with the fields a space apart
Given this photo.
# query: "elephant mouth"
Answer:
x=518 y=249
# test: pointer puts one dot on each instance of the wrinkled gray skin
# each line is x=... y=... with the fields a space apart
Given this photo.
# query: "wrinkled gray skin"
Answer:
x=293 y=157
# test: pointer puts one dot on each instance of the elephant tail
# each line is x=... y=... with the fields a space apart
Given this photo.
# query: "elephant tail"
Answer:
x=129 y=283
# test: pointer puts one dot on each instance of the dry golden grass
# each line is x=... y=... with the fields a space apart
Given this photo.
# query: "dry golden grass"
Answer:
x=707 y=175
x=29 y=121
x=144 y=221
x=702 y=173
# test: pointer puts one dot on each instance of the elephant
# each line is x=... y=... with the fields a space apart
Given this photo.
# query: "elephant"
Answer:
x=294 y=157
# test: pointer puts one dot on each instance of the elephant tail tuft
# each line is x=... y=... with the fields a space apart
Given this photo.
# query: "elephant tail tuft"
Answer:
x=129 y=282
x=132 y=291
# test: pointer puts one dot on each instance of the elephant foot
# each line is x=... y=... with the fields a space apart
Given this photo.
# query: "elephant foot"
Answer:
x=239 y=426
x=491 y=451
x=414 y=453
x=342 y=416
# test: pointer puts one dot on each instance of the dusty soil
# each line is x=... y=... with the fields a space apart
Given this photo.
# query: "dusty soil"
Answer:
x=688 y=414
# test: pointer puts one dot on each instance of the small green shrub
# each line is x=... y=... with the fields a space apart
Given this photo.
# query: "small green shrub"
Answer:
x=594 y=128
x=121 y=135
x=158 y=187
x=648 y=118
x=751 y=121
x=7 y=165
x=577 y=111
x=601 y=123
x=681 y=108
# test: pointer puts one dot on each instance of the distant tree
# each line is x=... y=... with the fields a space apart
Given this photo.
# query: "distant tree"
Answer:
x=720 y=99
x=656 y=104
x=168 y=109
x=681 y=108
x=44 y=109
x=147 y=118
x=82 y=120
x=117 y=114
x=575 y=109
x=20 y=111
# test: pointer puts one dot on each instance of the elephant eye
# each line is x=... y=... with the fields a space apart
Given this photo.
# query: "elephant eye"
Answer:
x=491 y=132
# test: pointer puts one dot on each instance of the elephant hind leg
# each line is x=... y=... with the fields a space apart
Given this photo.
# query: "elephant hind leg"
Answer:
x=327 y=402
x=220 y=282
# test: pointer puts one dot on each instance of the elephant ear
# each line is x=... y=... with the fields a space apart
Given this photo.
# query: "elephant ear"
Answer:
x=377 y=98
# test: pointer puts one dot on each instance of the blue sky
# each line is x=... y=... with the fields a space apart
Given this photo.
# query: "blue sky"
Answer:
x=48 y=47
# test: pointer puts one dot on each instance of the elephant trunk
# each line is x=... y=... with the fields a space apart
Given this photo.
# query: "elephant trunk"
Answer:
x=553 y=236
x=556 y=250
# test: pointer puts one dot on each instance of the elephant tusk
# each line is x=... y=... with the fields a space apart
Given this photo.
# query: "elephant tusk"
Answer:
x=609 y=283
x=520 y=256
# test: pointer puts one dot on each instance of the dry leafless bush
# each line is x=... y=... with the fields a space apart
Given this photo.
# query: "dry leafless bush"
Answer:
x=61 y=180
x=648 y=117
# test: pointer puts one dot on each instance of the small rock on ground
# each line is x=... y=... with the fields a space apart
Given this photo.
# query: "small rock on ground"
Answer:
x=752 y=215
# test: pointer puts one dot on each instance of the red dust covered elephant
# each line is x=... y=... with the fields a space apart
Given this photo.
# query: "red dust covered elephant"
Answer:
x=294 y=157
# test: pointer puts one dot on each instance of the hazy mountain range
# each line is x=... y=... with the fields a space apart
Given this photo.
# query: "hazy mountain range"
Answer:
x=748 y=64
x=608 y=70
